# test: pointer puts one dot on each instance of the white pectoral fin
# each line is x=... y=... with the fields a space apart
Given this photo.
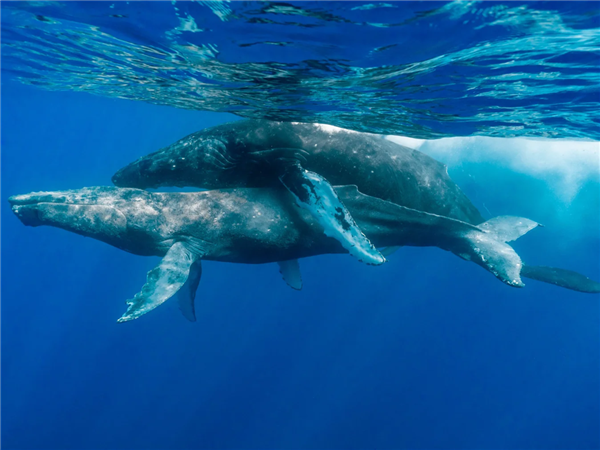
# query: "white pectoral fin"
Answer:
x=315 y=194
x=290 y=271
x=164 y=281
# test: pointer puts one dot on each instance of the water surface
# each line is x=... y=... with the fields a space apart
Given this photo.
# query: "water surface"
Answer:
x=419 y=69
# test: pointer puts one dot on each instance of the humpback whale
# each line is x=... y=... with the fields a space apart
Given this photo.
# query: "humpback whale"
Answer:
x=307 y=159
x=261 y=225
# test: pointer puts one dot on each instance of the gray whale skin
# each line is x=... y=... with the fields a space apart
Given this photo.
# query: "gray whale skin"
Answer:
x=262 y=225
x=307 y=159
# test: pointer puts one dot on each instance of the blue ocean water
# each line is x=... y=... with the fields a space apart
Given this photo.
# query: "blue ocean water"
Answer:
x=422 y=69
x=426 y=351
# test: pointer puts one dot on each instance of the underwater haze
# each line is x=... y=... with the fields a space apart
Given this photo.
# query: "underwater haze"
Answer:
x=426 y=351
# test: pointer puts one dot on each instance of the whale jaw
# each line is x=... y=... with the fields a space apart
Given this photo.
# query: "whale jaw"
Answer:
x=70 y=211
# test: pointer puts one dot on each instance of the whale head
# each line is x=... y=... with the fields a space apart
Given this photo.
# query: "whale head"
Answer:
x=124 y=218
x=197 y=160
x=142 y=174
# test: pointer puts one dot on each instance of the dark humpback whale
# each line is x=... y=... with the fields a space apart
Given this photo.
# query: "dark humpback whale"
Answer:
x=305 y=158
x=259 y=225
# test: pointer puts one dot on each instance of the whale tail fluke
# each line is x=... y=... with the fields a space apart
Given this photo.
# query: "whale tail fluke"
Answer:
x=490 y=250
x=487 y=246
x=561 y=277
x=508 y=228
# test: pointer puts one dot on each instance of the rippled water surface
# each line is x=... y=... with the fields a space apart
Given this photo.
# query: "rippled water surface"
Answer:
x=420 y=69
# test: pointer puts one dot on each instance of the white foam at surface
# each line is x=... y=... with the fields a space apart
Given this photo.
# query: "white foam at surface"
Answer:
x=407 y=141
x=564 y=164
x=331 y=128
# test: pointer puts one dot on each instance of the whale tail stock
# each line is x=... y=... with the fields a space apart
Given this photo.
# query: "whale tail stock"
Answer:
x=486 y=245
x=177 y=275
x=489 y=252
x=509 y=228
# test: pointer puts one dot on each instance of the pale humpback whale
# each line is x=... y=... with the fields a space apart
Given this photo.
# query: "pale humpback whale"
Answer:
x=261 y=225
x=305 y=158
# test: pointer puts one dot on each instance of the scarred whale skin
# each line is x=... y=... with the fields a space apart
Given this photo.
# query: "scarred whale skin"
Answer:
x=236 y=155
x=261 y=225
x=242 y=225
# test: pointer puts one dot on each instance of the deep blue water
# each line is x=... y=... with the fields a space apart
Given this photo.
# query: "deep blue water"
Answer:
x=426 y=351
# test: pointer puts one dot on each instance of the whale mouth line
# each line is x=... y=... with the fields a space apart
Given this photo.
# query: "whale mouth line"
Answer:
x=58 y=202
x=43 y=199
x=85 y=218
x=21 y=200
x=15 y=201
x=28 y=214
x=33 y=210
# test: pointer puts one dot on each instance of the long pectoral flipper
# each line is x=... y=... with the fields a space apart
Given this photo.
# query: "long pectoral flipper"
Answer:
x=163 y=281
x=314 y=193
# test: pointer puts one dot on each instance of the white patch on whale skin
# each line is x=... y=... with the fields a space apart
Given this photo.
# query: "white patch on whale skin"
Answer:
x=565 y=165
x=406 y=141
x=332 y=129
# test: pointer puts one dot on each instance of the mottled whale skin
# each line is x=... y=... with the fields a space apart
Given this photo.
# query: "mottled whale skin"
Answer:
x=251 y=225
x=307 y=159
x=229 y=156
x=222 y=157
x=240 y=225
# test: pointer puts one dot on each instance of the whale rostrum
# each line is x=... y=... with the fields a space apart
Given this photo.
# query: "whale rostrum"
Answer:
x=262 y=225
